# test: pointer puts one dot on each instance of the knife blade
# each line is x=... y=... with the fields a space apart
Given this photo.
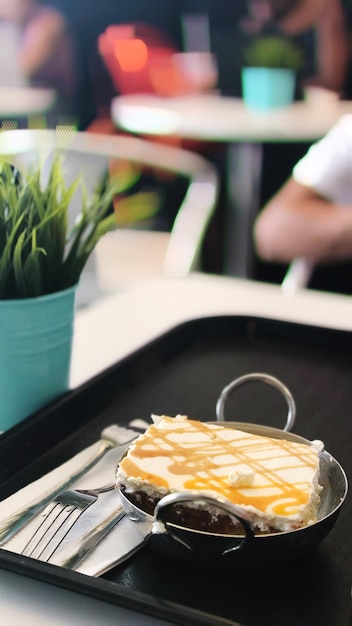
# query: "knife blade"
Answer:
x=89 y=530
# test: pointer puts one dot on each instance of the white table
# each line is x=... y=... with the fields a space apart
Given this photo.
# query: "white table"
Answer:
x=223 y=118
x=213 y=117
x=24 y=102
x=114 y=327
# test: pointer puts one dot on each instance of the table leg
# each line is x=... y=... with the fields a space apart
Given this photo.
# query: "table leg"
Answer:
x=244 y=168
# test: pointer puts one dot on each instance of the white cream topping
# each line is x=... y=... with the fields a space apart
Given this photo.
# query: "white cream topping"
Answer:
x=241 y=477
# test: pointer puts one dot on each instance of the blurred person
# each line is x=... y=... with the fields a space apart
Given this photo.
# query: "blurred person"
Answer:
x=311 y=215
x=46 y=49
x=327 y=19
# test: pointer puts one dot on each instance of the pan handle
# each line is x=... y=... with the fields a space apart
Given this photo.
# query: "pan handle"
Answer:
x=266 y=378
x=160 y=526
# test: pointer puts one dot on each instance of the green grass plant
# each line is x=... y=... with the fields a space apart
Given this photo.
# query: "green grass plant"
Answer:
x=273 y=52
x=39 y=252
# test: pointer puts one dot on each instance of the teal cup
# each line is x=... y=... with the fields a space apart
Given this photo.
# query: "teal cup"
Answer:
x=36 y=343
x=265 y=88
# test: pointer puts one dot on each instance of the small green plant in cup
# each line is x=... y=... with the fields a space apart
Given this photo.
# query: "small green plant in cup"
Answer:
x=269 y=73
x=42 y=255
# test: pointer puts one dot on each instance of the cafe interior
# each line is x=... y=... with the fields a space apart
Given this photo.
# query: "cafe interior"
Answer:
x=184 y=282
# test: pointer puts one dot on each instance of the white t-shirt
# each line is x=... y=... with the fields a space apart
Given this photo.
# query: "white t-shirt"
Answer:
x=327 y=166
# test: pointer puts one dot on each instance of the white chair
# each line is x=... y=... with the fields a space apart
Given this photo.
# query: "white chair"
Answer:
x=88 y=154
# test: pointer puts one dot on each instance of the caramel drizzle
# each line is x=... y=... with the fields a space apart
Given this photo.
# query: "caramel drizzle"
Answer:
x=193 y=460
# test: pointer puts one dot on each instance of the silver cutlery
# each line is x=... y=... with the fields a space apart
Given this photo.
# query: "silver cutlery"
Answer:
x=111 y=437
x=57 y=520
x=100 y=519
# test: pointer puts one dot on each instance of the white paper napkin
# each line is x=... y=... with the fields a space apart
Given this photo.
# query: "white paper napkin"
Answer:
x=118 y=545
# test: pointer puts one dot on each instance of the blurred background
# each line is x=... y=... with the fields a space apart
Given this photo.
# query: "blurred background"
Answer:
x=89 y=51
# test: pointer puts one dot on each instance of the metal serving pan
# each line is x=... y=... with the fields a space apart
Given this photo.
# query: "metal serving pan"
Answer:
x=247 y=547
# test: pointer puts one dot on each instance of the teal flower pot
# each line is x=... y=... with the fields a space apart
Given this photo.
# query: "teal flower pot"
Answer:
x=266 y=88
x=36 y=343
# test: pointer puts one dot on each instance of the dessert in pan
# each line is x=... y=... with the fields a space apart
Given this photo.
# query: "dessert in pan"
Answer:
x=223 y=480
x=273 y=481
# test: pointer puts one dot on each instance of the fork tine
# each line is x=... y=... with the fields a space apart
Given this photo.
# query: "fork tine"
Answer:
x=51 y=515
x=46 y=550
x=59 y=517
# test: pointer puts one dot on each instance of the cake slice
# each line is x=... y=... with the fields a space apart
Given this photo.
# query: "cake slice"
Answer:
x=275 y=481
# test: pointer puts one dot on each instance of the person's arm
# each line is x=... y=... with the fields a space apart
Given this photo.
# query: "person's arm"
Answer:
x=303 y=16
x=41 y=40
x=332 y=46
x=298 y=222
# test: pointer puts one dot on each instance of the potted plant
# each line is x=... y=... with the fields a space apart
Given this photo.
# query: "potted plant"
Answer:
x=268 y=77
x=41 y=261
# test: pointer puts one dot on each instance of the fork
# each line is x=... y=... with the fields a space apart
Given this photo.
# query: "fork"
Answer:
x=58 y=519
x=111 y=437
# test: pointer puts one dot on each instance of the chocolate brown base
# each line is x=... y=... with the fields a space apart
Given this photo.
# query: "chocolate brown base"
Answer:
x=188 y=517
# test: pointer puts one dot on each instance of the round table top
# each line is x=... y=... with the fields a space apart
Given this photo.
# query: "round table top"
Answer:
x=24 y=101
x=212 y=117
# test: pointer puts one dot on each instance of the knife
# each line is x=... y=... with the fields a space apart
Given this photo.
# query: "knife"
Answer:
x=89 y=530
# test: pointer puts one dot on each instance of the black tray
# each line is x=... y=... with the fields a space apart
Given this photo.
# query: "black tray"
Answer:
x=183 y=372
